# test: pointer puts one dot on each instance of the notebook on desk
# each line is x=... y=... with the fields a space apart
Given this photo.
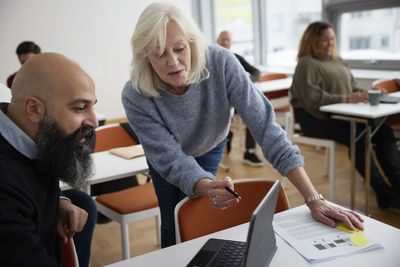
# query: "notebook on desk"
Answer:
x=128 y=152
x=259 y=248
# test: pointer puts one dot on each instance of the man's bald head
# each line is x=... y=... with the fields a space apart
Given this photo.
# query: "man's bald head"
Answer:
x=52 y=102
x=225 y=39
x=51 y=83
x=43 y=75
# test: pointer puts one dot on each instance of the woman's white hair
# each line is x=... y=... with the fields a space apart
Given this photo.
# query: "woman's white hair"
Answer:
x=151 y=30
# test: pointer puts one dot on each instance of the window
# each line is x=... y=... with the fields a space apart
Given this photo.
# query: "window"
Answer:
x=263 y=31
x=359 y=42
x=268 y=31
x=236 y=16
x=370 y=35
x=368 y=32
x=385 y=41
x=285 y=24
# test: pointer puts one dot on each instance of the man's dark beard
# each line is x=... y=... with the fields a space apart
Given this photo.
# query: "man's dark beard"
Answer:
x=62 y=156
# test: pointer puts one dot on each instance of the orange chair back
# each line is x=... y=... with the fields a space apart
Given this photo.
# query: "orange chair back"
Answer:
x=108 y=137
x=270 y=77
x=68 y=254
x=389 y=85
x=197 y=217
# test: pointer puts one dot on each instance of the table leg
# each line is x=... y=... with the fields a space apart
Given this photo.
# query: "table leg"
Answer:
x=367 y=166
x=353 y=162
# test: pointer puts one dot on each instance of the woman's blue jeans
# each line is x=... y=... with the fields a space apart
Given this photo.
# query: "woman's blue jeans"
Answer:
x=169 y=195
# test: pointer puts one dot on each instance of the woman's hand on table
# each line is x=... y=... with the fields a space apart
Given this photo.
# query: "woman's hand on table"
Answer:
x=358 y=97
x=328 y=214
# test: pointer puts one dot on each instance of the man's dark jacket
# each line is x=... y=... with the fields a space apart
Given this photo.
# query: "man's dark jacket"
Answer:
x=28 y=212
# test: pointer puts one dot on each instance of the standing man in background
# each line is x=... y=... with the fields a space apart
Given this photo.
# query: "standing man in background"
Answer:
x=249 y=156
x=25 y=51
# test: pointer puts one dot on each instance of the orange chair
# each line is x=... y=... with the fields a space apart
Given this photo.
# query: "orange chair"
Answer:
x=111 y=136
x=195 y=217
x=281 y=111
x=390 y=86
x=69 y=258
x=128 y=205
x=272 y=76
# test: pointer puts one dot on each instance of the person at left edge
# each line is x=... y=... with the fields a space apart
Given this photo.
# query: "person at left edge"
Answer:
x=178 y=102
x=45 y=132
x=25 y=51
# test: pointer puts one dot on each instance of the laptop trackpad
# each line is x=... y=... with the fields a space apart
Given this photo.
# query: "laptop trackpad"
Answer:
x=204 y=256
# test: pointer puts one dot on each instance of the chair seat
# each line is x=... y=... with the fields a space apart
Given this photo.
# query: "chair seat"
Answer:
x=138 y=198
x=395 y=127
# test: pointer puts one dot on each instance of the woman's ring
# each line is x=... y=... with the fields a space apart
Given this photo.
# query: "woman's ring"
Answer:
x=214 y=200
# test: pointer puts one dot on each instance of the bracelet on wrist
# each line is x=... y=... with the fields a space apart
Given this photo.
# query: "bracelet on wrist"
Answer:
x=315 y=197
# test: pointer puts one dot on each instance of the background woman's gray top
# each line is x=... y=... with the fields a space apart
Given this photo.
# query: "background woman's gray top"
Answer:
x=320 y=81
x=175 y=128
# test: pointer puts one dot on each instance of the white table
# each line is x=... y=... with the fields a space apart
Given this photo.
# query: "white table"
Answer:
x=362 y=113
x=109 y=167
x=277 y=93
x=274 y=85
x=181 y=254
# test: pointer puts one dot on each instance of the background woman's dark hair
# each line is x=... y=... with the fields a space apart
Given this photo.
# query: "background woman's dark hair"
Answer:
x=27 y=47
x=308 y=42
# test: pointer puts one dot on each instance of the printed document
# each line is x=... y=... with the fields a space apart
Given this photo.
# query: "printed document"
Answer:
x=316 y=241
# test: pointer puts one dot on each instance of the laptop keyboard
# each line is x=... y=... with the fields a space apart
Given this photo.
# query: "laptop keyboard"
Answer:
x=231 y=254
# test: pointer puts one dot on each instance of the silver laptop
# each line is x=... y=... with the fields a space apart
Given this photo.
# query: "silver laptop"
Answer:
x=259 y=248
x=389 y=99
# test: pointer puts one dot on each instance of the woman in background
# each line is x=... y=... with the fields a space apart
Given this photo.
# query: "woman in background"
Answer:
x=321 y=78
x=178 y=102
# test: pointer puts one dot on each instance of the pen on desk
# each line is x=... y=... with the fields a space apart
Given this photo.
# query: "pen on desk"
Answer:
x=233 y=192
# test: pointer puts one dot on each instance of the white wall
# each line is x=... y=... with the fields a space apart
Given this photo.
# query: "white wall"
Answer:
x=95 y=33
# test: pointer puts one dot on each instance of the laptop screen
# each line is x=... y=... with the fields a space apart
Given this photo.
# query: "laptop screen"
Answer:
x=260 y=246
x=261 y=242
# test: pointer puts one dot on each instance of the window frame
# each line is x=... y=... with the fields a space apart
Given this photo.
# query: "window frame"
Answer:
x=332 y=10
x=204 y=14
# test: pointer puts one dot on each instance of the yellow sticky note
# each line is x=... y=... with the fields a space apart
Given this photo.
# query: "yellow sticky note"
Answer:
x=343 y=227
x=359 y=239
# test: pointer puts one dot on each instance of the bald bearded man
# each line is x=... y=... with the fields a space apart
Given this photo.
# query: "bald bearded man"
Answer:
x=44 y=137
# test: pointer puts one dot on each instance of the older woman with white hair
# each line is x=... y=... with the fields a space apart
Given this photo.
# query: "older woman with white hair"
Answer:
x=178 y=102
